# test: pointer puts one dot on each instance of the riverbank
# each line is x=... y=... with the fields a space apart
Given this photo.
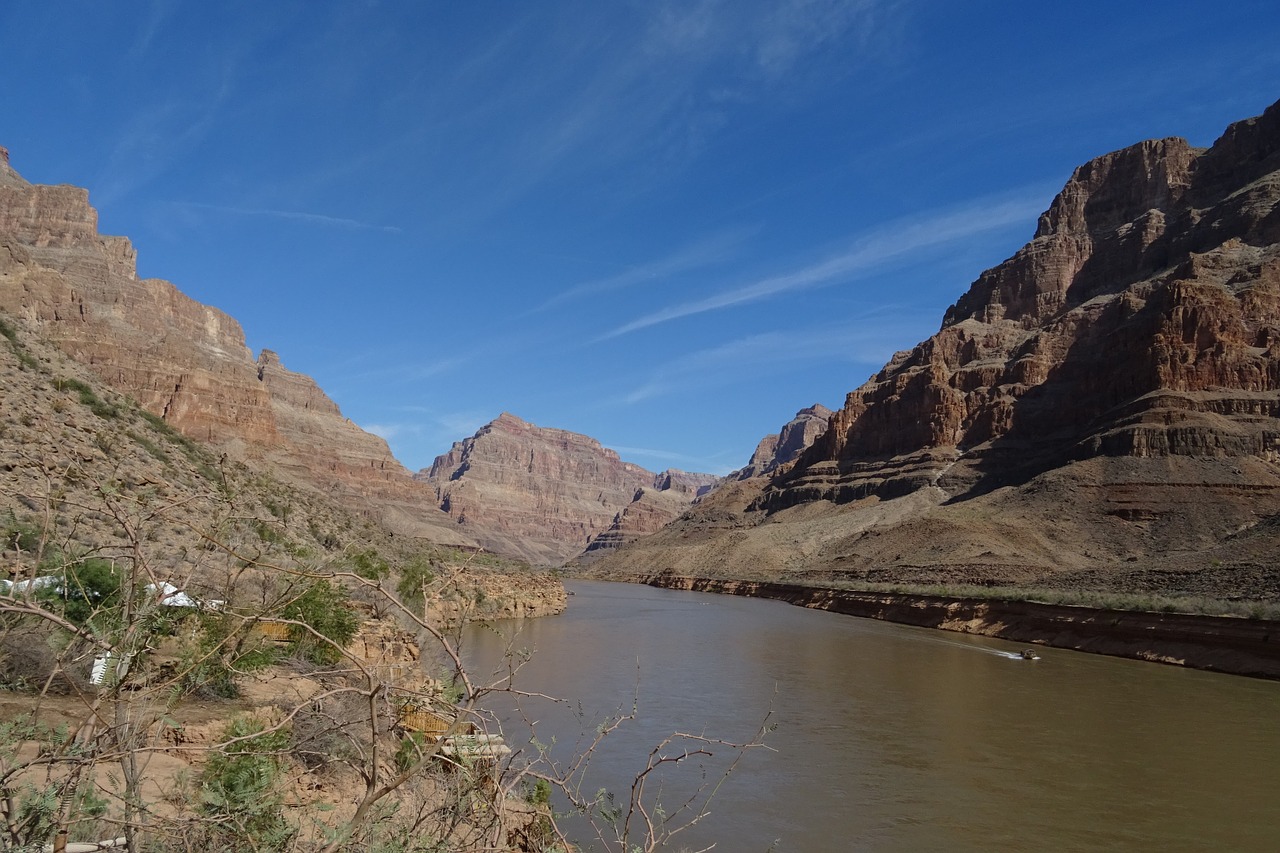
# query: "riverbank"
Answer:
x=1225 y=644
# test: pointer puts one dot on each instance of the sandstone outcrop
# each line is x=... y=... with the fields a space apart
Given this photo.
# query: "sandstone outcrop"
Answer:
x=545 y=494
x=1102 y=409
x=187 y=362
x=1139 y=321
x=787 y=444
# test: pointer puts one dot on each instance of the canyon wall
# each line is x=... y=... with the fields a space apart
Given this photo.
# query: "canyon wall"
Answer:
x=1218 y=643
x=787 y=444
x=188 y=363
x=546 y=494
x=1102 y=409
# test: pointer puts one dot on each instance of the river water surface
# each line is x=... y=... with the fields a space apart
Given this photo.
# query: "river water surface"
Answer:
x=894 y=738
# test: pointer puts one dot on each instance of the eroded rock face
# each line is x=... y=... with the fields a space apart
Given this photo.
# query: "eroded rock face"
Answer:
x=544 y=494
x=794 y=438
x=187 y=362
x=1101 y=411
x=1141 y=320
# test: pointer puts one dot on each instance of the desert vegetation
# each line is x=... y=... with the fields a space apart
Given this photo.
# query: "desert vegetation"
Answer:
x=196 y=656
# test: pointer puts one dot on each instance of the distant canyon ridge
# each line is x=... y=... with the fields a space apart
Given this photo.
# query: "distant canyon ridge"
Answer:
x=1099 y=412
x=539 y=494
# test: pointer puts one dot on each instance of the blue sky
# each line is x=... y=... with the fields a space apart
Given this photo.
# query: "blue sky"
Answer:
x=667 y=225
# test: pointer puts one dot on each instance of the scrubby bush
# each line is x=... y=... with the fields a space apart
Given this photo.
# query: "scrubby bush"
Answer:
x=326 y=610
x=89 y=588
x=240 y=788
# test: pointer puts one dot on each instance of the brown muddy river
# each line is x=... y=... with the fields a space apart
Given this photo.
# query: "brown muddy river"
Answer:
x=893 y=738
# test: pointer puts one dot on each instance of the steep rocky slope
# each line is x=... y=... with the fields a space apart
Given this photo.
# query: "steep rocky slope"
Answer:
x=1102 y=410
x=86 y=472
x=794 y=438
x=186 y=362
x=544 y=494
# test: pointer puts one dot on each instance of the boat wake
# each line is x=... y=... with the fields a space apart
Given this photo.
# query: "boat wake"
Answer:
x=1028 y=654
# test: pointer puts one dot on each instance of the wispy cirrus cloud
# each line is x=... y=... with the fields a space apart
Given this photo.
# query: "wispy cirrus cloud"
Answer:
x=650 y=85
x=869 y=339
x=291 y=215
x=426 y=432
x=389 y=431
x=668 y=458
x=885 y=244
x=703 y=253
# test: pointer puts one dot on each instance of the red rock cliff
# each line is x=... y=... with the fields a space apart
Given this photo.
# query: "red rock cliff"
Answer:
x=1100 y=413
x=1142 y=319
x=187 y=362
x=544 y=494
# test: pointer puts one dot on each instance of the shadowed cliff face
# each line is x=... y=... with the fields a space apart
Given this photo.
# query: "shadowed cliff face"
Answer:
x=1102 y=410
x=545 y=494
x=188 y=362
x=1141 y=320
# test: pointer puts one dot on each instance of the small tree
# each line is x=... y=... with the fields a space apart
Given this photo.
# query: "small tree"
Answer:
x=328 y=622
x=240 y=790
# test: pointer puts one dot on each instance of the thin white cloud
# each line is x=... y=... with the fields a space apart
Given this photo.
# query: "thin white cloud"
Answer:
x=671 y=459
x=871 y=340
x=292 y=215
x=461 y=425
x=387 y=431
x=160 y=133
x=651 y=88
x=703 y=253
x=885 y=244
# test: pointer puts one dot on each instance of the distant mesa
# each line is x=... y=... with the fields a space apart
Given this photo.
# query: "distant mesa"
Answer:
x=546 y=494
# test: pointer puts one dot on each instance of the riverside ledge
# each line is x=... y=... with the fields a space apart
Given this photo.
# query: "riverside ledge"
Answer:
x=1227 y=644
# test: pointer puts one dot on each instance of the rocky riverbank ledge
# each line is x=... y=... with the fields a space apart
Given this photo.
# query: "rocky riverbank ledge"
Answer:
x=1234 y=645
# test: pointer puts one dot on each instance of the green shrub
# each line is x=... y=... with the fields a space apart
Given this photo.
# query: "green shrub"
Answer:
x=266 y=532
x=537 y=794
x=224 y=649
x=150 y=446
x=368 y=564
x=18 y=536
x=96 y=404
x=327 y=610
x=240 y=787
x=90 y=587
x=410 y=750
x=32 y=804
x=416 y=573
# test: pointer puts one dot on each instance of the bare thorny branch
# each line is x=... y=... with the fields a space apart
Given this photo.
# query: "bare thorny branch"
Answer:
x=128 y=720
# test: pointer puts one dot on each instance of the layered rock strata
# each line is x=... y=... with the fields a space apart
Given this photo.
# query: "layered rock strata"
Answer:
x=1218 y=643
x=1141 y=320
x=787 y=444
x=545 y=494
x=1100 y=411
x=187 y=362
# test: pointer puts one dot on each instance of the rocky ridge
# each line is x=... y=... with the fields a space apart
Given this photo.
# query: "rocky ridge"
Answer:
x=1102 y=410
x=787 y=444
x=546 y=494
x=188 y=363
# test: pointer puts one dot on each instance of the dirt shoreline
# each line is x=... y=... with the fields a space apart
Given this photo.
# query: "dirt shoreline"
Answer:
x=1224 y=644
